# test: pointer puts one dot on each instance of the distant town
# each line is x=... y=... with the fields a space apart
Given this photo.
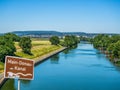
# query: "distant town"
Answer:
x=48 y=34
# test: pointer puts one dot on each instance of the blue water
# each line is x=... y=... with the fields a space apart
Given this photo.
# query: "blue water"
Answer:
x=83 y=68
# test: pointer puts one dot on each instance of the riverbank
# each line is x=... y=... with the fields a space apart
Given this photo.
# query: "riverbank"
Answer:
x=109 y=45
x=82 y=68
x=44 y=57
x=37 y=61
x=115 y=61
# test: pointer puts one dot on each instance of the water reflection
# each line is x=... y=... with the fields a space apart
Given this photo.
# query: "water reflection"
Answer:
x=117 y=68
x=55 y=59
x=69 y=49
x=9 y=85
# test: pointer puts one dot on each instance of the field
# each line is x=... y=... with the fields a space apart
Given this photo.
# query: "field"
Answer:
x=39 y=48
x=1 y=67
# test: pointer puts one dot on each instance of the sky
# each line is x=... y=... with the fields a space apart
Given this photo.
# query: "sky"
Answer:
x=90 y=16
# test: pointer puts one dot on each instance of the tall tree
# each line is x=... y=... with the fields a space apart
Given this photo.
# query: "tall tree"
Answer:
x=116 y=50
x=70 y=41
x=101 y=41
x=54 y=40
x=12 y=36
x=6 y=47
x=25 y=44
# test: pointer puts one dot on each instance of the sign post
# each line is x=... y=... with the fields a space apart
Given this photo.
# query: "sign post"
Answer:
x=19 y=68
x=18 y=84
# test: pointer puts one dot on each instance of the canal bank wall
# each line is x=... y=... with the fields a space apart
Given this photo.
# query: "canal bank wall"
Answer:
x=37 y=61
x=44 y=57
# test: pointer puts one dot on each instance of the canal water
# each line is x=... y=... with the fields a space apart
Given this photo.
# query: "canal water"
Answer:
x=82 y=68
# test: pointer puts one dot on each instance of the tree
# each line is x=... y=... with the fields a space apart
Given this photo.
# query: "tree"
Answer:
x=54 y=40
x=6 y=47
x=12 y=36
x=82 y=38
x=109 y=43
x=70 y=41
x=25 y=44
x=115 y=38
x=116 y=50
x=110 y=48
x=101 y=41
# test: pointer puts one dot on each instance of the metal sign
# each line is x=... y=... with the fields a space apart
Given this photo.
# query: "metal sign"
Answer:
x=19 y=68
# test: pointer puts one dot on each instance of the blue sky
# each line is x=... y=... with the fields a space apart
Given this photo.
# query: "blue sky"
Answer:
x=93 y=16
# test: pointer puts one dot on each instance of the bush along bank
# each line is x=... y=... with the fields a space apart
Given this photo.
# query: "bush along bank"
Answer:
x=110 y=45
x=70 y=41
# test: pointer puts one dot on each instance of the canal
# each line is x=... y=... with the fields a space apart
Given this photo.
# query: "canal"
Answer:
x=82 y=68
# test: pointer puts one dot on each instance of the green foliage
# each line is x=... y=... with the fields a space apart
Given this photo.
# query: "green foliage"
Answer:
x=115 y=38
x=82 y=38
x=9 y=85
x=12 y=36
x=111 y=44
x=6 y=47
x=101 y=41
x=39 y=51
x=1 y=67
x=110 y=48
x=62 y=43
x=25 y=44
x=114 y=49
x=70 y=41
x=54 y=40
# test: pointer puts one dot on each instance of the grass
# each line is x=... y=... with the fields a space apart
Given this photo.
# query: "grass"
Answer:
x=39 y=48
x=40 y=39
x=34 y=43
x=118 y=63
x=38 y=51
x=1 y=67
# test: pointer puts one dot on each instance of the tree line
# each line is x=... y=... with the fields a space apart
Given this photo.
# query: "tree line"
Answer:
x=67 y=41
x=109 y=44
x=106 y=43
x=7 y=43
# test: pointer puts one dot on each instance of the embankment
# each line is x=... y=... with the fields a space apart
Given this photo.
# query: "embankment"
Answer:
x=37 y=61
